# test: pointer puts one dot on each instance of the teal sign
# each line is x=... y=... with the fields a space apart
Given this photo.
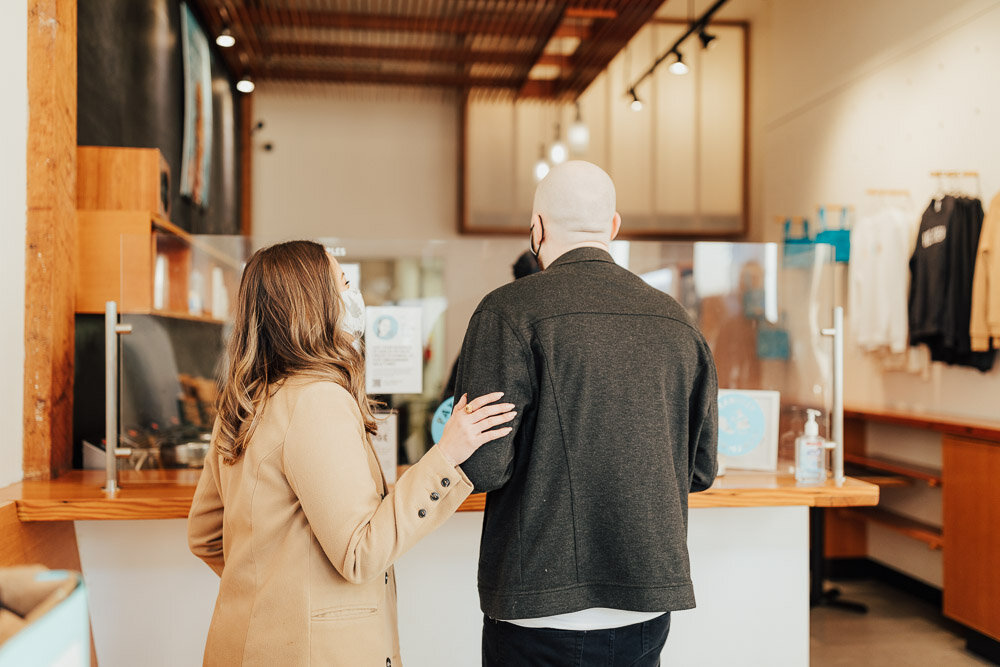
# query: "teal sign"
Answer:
x=441 y=416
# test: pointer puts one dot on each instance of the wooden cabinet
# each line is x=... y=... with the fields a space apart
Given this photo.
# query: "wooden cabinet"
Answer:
x=972 y=532
x=128 y=252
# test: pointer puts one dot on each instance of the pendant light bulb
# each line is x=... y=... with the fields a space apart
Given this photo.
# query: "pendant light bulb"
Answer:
x=245 y=85
x=557 y=150
x=578 y=134
x=636 y=103
x=225 y=38
x=541 y=169
x=679 y=67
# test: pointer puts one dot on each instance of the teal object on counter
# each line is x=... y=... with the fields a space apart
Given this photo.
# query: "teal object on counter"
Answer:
x=440 y=418
x=59 y=637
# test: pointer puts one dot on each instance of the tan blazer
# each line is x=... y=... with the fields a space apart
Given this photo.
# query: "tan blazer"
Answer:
x=984 y=326
x=303 y=535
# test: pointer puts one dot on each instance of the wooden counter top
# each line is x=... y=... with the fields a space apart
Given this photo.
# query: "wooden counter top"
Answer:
x=167 y=494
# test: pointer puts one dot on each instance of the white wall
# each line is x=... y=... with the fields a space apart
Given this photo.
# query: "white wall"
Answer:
x=876 y=94
x=13 y=184
x=355 y=162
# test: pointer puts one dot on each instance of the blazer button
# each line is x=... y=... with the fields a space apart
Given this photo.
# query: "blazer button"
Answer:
x=434 y=495
x=445 y=482
x=388 y=662
x=386 y=577
x=422 y=513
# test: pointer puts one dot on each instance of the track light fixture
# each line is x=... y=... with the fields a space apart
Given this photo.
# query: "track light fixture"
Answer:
x=679 y=67
x=636 y=103
x=225 y=38
x=706 y=39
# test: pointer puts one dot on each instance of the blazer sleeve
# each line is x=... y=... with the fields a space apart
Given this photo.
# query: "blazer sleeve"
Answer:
x=494 y=358
x=204 y=527
x=703 y=439
x=325 y=461
x=979 y=329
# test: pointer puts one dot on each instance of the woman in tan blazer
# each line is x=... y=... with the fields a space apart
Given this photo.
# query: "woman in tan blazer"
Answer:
x=292 y=509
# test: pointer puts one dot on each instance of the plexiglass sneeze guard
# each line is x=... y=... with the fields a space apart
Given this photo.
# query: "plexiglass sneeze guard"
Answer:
x=761 y=309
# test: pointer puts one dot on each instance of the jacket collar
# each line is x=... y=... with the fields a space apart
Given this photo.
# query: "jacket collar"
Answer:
x=584 y=254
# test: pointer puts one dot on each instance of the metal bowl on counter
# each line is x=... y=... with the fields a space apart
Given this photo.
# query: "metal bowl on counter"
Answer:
x=191 y=454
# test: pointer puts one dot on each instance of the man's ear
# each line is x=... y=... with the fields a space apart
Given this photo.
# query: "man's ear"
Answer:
x=616 y=225
x=536 y=229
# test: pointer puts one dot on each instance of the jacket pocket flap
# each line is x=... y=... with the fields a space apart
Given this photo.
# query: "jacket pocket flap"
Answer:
x=342 y=613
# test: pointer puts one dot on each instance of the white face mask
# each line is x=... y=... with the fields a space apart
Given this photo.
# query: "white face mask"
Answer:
x=353 y=319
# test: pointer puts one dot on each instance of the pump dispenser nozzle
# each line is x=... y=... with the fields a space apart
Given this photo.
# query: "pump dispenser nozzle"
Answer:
x=812 y=428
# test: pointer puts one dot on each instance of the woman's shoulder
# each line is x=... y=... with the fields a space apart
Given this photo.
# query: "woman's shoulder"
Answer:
x=312 y=391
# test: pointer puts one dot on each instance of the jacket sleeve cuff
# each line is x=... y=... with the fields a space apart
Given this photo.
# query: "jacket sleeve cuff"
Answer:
x=980 y=343
x=438 y=465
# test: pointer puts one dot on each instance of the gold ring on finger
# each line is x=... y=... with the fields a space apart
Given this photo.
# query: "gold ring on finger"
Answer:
x=469 y=410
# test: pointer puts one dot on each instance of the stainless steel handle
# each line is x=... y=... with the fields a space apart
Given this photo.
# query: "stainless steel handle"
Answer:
x=112 y=329
x=837 y=425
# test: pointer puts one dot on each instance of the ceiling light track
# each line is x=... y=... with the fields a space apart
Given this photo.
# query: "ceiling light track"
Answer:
x=698 y=26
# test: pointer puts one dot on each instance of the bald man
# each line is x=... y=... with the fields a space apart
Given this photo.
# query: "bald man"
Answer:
x=584 y=548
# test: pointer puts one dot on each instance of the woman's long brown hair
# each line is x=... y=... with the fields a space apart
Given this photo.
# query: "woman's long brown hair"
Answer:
x=285 y=324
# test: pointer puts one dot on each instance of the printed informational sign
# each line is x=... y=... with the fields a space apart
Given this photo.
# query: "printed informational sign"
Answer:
x=393 y=351
x=385 y=443
x=441 y=416
x=748 y=429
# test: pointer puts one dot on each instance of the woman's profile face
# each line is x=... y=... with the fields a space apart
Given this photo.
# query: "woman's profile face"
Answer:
x=339 y=279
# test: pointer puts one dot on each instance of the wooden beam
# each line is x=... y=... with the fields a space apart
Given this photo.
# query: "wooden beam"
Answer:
x=459 y=55
x=579 y=30
x=50 y=260
x=590 y=13
x=390 y=78
x=483 y=23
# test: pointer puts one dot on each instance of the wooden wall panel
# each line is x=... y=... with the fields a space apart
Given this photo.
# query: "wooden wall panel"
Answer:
x=847 y=537
x=971 y=500
x=246 y=164
x=51 y=238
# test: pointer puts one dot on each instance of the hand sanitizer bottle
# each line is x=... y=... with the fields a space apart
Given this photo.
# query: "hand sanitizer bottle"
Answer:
x=810 y=453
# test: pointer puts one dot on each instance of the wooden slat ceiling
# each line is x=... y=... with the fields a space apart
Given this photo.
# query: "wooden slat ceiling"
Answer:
x=547 y=49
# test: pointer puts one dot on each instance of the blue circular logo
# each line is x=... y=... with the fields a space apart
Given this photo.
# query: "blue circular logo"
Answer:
x=741 y=425
x=441 y=416
x=386 y=327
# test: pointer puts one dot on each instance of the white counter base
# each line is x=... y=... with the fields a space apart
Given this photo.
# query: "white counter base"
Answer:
x=151 y=600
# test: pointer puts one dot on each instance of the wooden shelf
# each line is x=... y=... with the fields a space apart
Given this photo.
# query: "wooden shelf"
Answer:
x=165 y=225
x=930 y=535
x=904 y=469
x=969 y=427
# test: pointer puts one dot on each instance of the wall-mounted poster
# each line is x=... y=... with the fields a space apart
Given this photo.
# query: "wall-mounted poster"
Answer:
x=196 y=158
x=394 y=351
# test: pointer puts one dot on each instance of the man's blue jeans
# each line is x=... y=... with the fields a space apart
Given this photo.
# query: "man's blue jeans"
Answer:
x=509 y=645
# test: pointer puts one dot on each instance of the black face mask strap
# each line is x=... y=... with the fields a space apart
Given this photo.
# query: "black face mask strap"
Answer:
x=531 y=238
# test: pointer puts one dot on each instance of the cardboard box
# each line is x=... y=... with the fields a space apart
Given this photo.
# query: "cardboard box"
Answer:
x=43 y=618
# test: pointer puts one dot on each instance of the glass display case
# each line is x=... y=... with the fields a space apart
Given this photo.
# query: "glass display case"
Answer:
x=762 y=311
